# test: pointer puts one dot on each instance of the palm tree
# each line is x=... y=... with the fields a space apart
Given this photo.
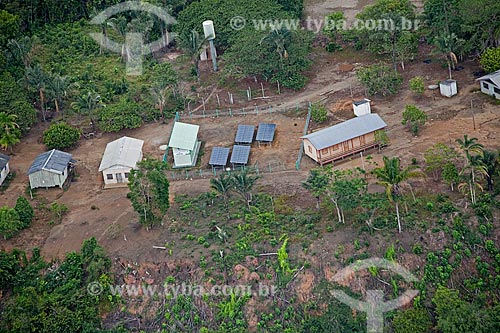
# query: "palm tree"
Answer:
x=223 y=186
x=88 y=103
x=243 y=184
x=193 y=45
x=473 y=166
x=20 y=49
x=491 y=163
x=119 y=24
x=392 y=175
x=447 y=46
x=279 y=39
x=37 y=78
x=58 y=87
x=159 y=93
x=9 y=133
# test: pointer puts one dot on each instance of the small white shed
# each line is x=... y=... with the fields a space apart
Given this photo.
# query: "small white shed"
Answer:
x=50 y=169
x=120 y=157
x=362 y=107
x=4 y=167
x=185 y=145
x=448 y=88
x=490 y=84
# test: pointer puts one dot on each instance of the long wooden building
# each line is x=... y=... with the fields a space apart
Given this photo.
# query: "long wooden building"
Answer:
x=344 y=139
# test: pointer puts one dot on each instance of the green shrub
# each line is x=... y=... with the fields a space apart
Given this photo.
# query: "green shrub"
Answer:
x=319 y=113
x=10 y=223
x=61 y=135
x=417 y=85
x=490 y=60
x=24 y=210
x=413 y=117
x=380 y=79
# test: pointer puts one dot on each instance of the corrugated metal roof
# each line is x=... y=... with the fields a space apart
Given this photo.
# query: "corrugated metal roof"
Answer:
x=54 y=161
x=184 y=136
x=4 y=159
x=494 y=77
x=124 y=152
x=345 y=131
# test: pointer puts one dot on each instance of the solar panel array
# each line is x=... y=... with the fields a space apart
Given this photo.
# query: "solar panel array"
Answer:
x=240 y=154
x=245 y=134
x=265 y=133
x=219 y=156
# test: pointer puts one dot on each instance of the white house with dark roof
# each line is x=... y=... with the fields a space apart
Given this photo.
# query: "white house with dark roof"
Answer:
x=490 y=84
x=50 y=169
x=185 y=145
x=4 y=167
x=344 y=139
x=120 y=157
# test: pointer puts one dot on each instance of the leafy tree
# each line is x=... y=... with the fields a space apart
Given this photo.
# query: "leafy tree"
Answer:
x=392 y=176
x=450 y=175
x=165 y=80
x=21 y=50
x=278 y=39
x=243 y=184
x=319 y=113
x=490 y=60
x=316 y=183
x=10 y=223
x=417 y=85
x=479 y=36
x=125 y=114
x=442 y=17
x=25 y=211
x=437 y=157
x=381 y=138
x=58 y=210
x=385 y=39
x=119 y=25
x=334 y=20
x=379 y=79
x=413 y=117
x=149 y=192
x=345 y=191
x=406 y=47
x=61 y=135
x=9 y=27
x=13 y=101
x=413 y=320
x=9 y=130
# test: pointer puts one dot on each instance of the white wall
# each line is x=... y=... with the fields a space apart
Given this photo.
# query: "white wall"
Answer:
x=114 y=171
x=4 y=173
x=490 y=90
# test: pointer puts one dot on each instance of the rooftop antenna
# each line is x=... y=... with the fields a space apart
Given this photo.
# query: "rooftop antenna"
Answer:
x=209 y=31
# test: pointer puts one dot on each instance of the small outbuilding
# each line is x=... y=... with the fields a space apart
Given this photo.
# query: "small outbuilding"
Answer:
x=490 y=84
x=344 y=139
x=448 y=88
x=50 y=169
x=4 y=167
x=362 y=107
x=185 y=145
x=120 y=157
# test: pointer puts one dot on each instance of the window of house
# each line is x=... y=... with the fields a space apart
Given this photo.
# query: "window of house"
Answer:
x=336 y=147
x=310 y=149
x=485 y=85
x=496 y=90
x=109 y=176
x=126 y=175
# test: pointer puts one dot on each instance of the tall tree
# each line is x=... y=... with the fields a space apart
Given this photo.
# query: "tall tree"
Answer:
x=243 y=184
x=57 y=89
x=193 y=44
x=223 y=186
x=472 y=164
x=345 y=191
x=448 y=46
x=149 y=191
x=490 y=160
x=392 y=175
x=21 y=50
x=37 y=79
x=317 y=183
x=278 y=39
x=9 y=130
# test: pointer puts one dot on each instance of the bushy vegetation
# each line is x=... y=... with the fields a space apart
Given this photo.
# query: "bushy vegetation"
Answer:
x=414 y=118
x=417 y=85
x=490 y=60
x=319 y=113
x=380 y=79
x=60 y=136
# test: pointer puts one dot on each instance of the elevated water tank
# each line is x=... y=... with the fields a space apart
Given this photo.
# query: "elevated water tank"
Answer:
x=208 y=29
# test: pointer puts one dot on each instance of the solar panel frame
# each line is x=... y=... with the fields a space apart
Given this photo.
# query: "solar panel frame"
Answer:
x=240 y=154
x=244 y=134
x=219 y=156
x=266 y=132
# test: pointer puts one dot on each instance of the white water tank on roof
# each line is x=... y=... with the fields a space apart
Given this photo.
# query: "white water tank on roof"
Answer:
x=208 y=29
